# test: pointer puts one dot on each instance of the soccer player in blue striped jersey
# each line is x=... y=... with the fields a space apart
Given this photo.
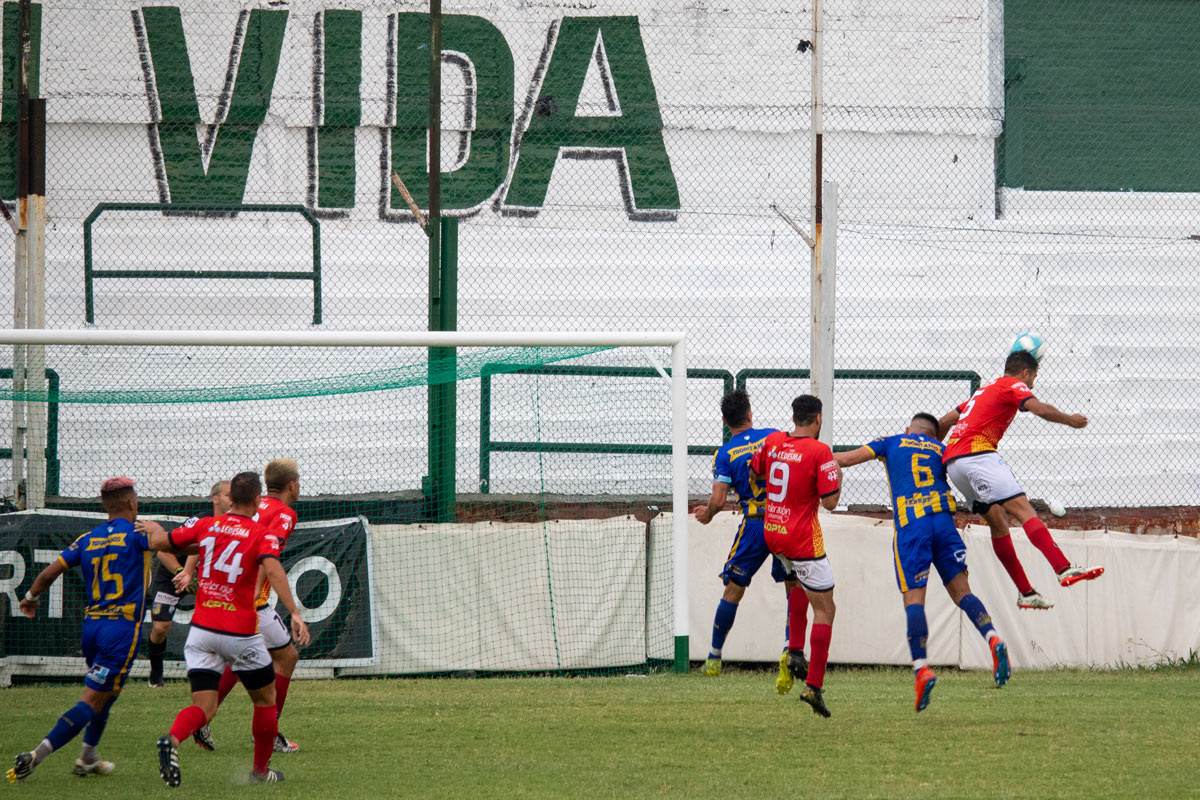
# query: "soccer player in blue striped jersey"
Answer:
x=925 y=534
x=731 y=470
x=113 y=559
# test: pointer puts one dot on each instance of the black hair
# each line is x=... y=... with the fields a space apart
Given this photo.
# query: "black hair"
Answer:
x=735 y=408
x=245 y=488
x=115 y=501
x=925 y=416
x=1018 y=361
x=805 y=409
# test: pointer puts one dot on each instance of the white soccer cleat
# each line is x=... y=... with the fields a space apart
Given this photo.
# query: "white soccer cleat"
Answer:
x=97 y=767
x=1033 y=600
x=1073 y=575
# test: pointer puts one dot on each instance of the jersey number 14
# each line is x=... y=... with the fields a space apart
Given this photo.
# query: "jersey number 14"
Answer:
x=229 y=562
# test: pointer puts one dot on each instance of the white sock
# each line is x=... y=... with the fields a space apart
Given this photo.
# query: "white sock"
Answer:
x=714 y=653
x=918 y=663
x=89 y=755
x=41 y=751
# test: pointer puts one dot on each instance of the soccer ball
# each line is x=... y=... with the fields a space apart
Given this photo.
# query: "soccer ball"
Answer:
x=1031 y=343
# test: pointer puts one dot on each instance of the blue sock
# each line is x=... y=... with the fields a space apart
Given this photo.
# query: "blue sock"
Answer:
x=70 y=724
x=973 y=608
x=726 y=611
x=918 y=631
x=95 y=728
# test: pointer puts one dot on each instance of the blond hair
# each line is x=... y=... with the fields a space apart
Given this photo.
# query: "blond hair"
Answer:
x=279 y=473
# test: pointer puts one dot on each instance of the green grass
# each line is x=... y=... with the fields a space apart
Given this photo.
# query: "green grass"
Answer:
x=1047 y=734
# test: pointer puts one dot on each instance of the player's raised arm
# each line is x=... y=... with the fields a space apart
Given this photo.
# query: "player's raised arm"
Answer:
x=852 y=458
x=716 y=501
x=948 y=421
x=1052 y=414
x=44 y=580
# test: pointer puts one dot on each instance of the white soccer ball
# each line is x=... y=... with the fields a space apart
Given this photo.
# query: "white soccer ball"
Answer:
x=1031 y=343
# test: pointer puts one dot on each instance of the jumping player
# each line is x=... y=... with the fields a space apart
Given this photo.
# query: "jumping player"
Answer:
x=224 y=629
x=171 y=582
x=923 y=515
x=731 y=469
x=282 y=477
x=113 y=560
x=801 y=475
x=988 y=484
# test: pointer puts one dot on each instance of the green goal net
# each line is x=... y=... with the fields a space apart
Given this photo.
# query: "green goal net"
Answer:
x=463 y=510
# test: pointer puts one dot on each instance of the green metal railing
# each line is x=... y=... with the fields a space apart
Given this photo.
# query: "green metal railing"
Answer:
x=90 y=274
x=487 y=445
x=863 y=375
x=52 y=464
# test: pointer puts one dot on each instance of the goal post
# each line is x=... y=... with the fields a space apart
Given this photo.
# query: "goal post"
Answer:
x=330 y=399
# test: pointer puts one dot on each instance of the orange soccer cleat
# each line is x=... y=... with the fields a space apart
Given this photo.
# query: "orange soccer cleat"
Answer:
x=926 y=680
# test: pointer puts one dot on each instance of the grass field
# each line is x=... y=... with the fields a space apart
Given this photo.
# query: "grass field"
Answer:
x=1046 y=734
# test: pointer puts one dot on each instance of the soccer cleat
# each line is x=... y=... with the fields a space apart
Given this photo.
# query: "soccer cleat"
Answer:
x=285 y=745
x=270 y=776
x=83 y=768
x=812 y=695
x=712 y=667
x=784 y=680
x=1000 y=668
x=797 y=664
x=168 y=762
x=155 y=681
x=203 y=738
x=1073 y=575
x=22 y=769
x=926 y=680
x=1033 y=600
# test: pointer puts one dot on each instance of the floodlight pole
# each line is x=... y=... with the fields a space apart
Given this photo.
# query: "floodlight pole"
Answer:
x=821 y=298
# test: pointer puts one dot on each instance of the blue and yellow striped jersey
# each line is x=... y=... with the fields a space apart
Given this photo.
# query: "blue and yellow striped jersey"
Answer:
x=731 y=464
x=916 y=475
x=114 y=560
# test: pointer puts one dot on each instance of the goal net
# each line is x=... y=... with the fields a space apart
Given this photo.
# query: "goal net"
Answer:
x=469 y=503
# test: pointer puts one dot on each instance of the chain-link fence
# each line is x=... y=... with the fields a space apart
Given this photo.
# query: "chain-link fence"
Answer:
x=1001 y=167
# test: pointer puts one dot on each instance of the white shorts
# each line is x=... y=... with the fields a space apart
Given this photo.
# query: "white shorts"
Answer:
x=984 y=480
x=274 y=632
x=212 y=651
x=813 y=574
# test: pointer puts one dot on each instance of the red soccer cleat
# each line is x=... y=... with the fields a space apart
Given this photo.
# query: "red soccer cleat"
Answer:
x=926 y=680
x=1073 y=575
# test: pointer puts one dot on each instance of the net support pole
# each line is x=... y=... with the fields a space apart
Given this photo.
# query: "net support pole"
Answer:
x=679 y=500
x=824 y=294
x=35 y=358
x=20 y=248
x=444 y=395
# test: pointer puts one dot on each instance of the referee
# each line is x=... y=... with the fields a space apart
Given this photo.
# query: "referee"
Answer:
x=170 y=582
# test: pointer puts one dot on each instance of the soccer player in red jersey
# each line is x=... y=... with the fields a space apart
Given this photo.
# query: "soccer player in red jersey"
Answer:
x=990 y=487
x=801 y=476
x=224 y=628
x=282 y=477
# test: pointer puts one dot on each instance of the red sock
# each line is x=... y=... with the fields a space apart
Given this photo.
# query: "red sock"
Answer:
x=188 y=721
x=1008 y=557
x=264 y=725
x=797 y=618
x=281 y=687
x=228 y=681
x=821 y=634
x=1040 y=536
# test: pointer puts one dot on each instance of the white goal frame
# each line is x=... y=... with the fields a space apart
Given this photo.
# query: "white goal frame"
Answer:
x=37 y=339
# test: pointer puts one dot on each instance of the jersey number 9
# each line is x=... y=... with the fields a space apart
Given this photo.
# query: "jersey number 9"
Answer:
x=777 y=481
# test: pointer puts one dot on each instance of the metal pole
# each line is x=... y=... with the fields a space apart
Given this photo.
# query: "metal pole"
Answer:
x=436 y=391
x=822 y=372
x=20 y=245
x=817 y=354
x=679 y=500
x=35 y=360
x=447 y=405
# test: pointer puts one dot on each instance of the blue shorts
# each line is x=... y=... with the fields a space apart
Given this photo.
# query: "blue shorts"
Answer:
x=109 y=647
x=748 y=553
x=931 y=539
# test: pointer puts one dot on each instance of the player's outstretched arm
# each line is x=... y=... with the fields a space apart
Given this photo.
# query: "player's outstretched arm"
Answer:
x=852 y=458
x=716 y=501
x=159 y=540
x=1052 y=414
x=29 y=603
x=947 y=422
x=279 y=583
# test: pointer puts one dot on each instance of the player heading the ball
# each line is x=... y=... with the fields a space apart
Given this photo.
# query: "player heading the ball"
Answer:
x=801 y=476
x=988 y=483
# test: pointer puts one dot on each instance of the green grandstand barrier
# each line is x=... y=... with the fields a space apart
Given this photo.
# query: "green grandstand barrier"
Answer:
x=52 y=464
x=91 y=274
x=487 y=445
x=863 y=375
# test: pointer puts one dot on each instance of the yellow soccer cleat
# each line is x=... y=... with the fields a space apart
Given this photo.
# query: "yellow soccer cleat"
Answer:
x=784 y=680
x=712 y=668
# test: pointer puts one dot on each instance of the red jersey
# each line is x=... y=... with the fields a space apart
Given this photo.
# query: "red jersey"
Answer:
x=280 y=520
x=985 y=417
x=231 y=547
x=800 y=471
